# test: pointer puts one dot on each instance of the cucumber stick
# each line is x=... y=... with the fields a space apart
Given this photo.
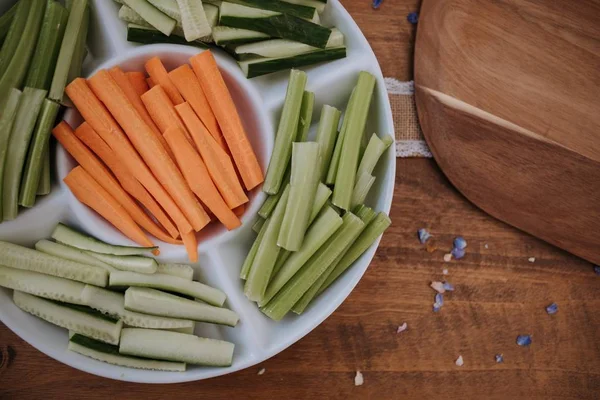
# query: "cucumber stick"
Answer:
x=143 y=265
x=34 y=165
x=71 y=237
x=71 y=253
x=110 y=354
x=194 y=21
x=22 y=130
x=263 y=66
x=174 y=346
x=155 y=302
x=168 y=7
x=319 y=5
x=297 y=10
x=70 y=317
x=7 y=119
x=40 y=71
x=274 y=24
x=224 y=35
x=6 y=21
x=301 y=282
x=181 y=270
x=113 y=304
x=326 y=137
x=42 y=285
x=19 y=257
x=170 y=283
x=252 y=253
x=319 y=232
x=148 y=35
x=152 y=15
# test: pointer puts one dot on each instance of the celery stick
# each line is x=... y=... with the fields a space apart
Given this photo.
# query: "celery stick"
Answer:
x=326 y=136
x=281 y=259
x=27 y=115
x=6 y=123
x=306 y=113
x=260 y=222
x=6 y=20
x=337 y=152
x=252 y=253
x=357 y=119
x=14 y=35
x=152 y=15
x=379 y=224
x=67 y=49
x=286 y=132
x=301 y=282
x=373 y=153
x=322 y=229
x=361 y=189
x=303 y=187
x=45 y=180
x=38 y=148
x=367 y=215
x=266 y=255
x=80 y=50
x=43 y=62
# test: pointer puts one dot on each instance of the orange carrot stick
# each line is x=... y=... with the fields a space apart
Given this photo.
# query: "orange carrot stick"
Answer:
x=197 y=176
x=217 y=161
x=186 y=82
x=64 y=134
x=90 y=193
x=191 y=246
x=103 y=123
x=151 y=150
x=239 y=211
x=150 y=82
x=222 y=105
x=138 y=80
x=159 y=75
x=162 y=111
x=91 y=139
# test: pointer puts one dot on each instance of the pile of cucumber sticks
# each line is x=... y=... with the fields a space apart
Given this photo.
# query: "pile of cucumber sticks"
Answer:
x=43 y=47
x=314 y=225
x=264 y=36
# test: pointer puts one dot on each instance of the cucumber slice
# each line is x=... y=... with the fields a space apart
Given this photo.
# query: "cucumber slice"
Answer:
x=274 y=24
x=110 y=354
x=170 y=283
x=174 y=346
x=149 y=35
x=263 y=66
x=113 y=304
x=49 y=287
x=71 y=253
x=224 y=35
x=193 y=19
x=297 y=10
x=71 y=237
x=152 y=15
x=70 y=317
x=143 y=265
x=212 y=14
x=318 y=4
x=155 y=302
x=14 y=256
x=168 y=7
x=181 y=270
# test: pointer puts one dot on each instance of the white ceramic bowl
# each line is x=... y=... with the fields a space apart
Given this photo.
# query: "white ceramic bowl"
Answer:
x=259 y=102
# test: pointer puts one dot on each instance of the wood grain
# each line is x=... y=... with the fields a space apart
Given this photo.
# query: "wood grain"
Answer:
x=499 y=294
x=508 y=101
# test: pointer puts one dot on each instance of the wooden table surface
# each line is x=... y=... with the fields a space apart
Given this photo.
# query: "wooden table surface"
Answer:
x=499 y=295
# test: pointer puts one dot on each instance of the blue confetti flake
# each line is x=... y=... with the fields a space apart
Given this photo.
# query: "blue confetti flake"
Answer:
x=377 y=3
x=448 y=287
x=413 y=18
x=524 y=340
x=552 y=308
x=423 y=235
x=597 y=269
x=439 y=302
x=460 y=243
x=458 y=253
x=499 y=358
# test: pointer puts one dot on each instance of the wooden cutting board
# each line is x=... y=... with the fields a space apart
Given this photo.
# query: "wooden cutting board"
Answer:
x=508 y=96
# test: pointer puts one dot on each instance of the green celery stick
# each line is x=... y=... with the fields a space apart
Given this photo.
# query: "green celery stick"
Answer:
x=13 y=72
x=281 y=259
x=367 y=215
x=43 y=62
x=14 y=34
x=357 y=120
x=35 y=160
x=306 y=113
x=373 y=153
x=258 y=224
x=361 y=189
x=326 y=136
x=362 y=244
x=301 y=282
x=6 y=20
x=75 y=24
x=337 y=152
x=303 y=187
x=322 y=229
x=6 y=123
x=80 y=51
x=45 y=180
x=286 y=132
x=266 y=255
x=252 y=253
x=27 y=115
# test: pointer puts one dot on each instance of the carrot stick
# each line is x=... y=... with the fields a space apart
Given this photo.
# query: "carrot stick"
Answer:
x=159 y=75
x=191 y=246
x=91 y=139
x=151 y=150
x=90 y=193
x=197 y=176
x=103 y=123
x=186 y=82
x=138 y=80
x=64 y=134
x=150 y=82
x=222 y=105
x=240 y=210
x=162 y=111
x=217 y=161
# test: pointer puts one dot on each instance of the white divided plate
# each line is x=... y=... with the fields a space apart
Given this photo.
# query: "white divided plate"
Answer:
x=259 y=101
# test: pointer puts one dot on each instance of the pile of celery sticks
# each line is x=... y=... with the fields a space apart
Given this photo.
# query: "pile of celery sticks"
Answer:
x=314 y=224
x=43 y=47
